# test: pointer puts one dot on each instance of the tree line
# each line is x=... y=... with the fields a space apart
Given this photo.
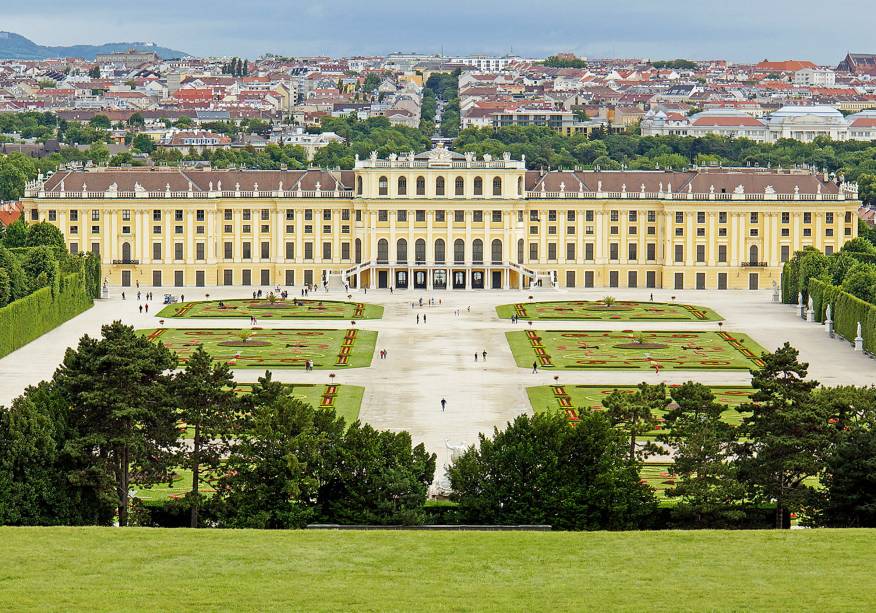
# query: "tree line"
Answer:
x=31 y=257
x=122 y=414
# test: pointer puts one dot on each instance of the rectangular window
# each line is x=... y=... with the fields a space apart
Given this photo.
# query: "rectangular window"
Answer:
x=496 y=216
x=679 y=218
x=290 y=251
x=613 y=251
x=588 y=215
x=199 y=251
x=807 y=217
x=828 y=217
x=326 y=251
x=570 y=252
x=290 y=215
x=177 y=215
x=458 y=216
x=265 y=250
x=552 y=251
x=722 y=254
x=402 y=216
x=439 y=217
x=632 y=252
x=651 y=252
x=786 y=253
x=752 y=218
x=247 y=250
x=177 y=251
x=722 y=217
x=199 y=215
x=679 y=253
x=652 y=216
x=420 y=215
x=228 y=216
x=786 y=217
x=477 y=216
x=156 y=251
x=533 y=251
x=588 y=251
x=156 y=215
x=701 y=254
x=326 y=215
x=228 y=250
x=345 y=251
x=95 y=248
x=552 y=215
x=308 y=251
x=633 y=216
x=533 y=215
x=95 y=215
x=701 y=217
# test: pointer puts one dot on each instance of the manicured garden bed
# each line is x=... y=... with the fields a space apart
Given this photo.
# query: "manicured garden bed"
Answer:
x=262 y=308
x=620 y=310
x=275 y=348
x=572 y=399
x=640 y=350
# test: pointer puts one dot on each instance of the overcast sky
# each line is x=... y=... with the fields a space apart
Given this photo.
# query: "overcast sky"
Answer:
x=738 y=30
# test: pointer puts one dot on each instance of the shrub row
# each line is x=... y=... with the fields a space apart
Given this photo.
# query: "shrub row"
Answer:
x=32 y=316
x=847 y=311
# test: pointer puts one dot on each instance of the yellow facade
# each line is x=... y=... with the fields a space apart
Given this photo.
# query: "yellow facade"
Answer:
x=443 y=220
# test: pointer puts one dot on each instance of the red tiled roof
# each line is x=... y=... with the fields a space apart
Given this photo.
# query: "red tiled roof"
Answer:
x=786 y=66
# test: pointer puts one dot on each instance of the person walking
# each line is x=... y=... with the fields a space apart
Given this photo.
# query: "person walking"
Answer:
x=147 y=308
x=652 y=296
x=535 y=368
x=418 y=319
x=123 y=295
x=476 y=356
x=443 y=404
x=424 y=318
x=141 y=309
x=182 y=298
x=485 y=355
x=138 y=294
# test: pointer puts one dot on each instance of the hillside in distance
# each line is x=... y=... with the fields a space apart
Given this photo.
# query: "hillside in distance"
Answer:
x=16 y=47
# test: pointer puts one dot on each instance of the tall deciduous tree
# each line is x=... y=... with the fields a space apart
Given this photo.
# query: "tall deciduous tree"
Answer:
x=635 y=414
x=539 y=470
x=204 y=393
x=121 y=413
x=381 y=478
x=786 y=435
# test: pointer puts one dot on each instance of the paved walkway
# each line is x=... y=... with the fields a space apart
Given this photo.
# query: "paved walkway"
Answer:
x=429 y=361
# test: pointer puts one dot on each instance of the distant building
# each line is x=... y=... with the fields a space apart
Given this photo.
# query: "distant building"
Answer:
x=859 y=63
x=485 y=63
x=803 y=123
x=815 y=77
x=129 y=59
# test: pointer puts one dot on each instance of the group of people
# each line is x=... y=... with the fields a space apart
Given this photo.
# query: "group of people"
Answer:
x=382 y=354
x=308 y=365
x=484 y=354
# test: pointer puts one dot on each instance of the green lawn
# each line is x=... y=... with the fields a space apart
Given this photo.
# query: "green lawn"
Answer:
x=103 y=569
x=273 y=348
x=261 y=308
x=572 y=399
x=596 y=311
x=630 y=350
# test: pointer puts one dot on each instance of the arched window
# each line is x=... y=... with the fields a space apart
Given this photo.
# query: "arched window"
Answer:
x=401 y=250
x=753 y=254
x=126 y=251
x=478 y=186
x=459 y=251
x=439 y=251
x=459 y=187
x=439 y=186
x=496 y=251
x=359 y=186
x=477 y=251
x=402 y=186
x=519 y=186
x=382 y=251
x=420 y=251
x=358 y=249
x=382 y=186
x=497 y=186
x=421 y=186
x=520 y=251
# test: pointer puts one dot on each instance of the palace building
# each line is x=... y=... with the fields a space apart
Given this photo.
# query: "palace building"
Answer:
x=441 y=219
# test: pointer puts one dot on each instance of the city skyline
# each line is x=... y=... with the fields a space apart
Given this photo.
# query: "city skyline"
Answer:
x=745 y=32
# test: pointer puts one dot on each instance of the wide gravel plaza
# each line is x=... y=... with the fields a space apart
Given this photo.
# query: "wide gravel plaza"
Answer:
x=429 y=361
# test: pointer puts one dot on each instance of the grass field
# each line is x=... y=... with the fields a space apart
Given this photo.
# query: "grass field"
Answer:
x=292 y=308
x=596 y=311
x=273 y=348
x=104 y=569
x=572 y=399
x=629 y=350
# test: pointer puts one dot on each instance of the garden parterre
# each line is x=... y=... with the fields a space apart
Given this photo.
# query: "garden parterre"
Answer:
x=620 y=310
x=572 y=399
x=635 y=350
x=264 y=308
x=272 y=348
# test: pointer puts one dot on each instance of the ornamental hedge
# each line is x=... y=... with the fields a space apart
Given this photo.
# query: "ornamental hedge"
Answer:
x=32 y=316
x=847 y=311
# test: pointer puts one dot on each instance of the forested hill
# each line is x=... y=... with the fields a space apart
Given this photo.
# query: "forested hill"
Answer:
x=17 y=47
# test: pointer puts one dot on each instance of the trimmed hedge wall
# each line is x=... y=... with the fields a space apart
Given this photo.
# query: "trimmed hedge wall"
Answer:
x=847 y=311
x=30 y=317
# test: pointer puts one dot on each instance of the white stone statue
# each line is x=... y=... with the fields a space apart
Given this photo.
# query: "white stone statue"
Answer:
x=769 y=189
x=739 y=189
x=827 y=314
